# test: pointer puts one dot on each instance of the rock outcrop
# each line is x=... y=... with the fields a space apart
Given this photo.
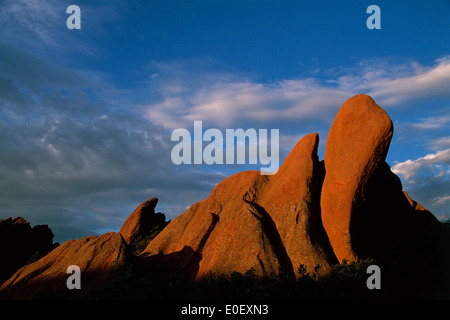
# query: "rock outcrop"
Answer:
x=142 y=221
x=308 y=214
x=311 y=214
x=270 y=224
x=357 y=144
x=98 y=257
x=20 y=243
x=292 y=199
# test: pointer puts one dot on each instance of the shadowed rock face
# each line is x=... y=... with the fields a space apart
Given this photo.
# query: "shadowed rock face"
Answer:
x=268 y=223
x=19 y=243
x=98 y=257
x=292 y=198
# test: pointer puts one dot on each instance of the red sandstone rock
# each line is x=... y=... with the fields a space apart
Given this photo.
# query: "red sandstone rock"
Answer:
x=98 y=257
x=270 y=224
x=142 y=220
x=223 y=230
x=292 y=199
x=357 y=144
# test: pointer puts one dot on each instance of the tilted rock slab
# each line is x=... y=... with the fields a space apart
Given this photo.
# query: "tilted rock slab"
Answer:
x=357 y=144
x=98 y=257
x=142 y=220
x=270 y=224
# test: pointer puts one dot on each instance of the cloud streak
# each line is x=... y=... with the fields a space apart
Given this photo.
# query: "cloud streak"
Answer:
x=432 y=82
x=237 y=101
x=432 y=123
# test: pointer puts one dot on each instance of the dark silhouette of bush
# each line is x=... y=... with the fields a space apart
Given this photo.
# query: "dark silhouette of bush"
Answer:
x=141 y=241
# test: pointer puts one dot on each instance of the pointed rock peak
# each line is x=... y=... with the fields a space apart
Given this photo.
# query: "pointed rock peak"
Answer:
x=142 y=221
x=252 y=221
x=305 y=149
x=150 y=203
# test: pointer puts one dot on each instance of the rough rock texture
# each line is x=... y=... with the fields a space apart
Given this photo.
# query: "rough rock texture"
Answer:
x=222 y=233
x=270 y=224
x=19 y=243
x=142 y=221
x=98 y=257
x=292 y=198
x=357 y=144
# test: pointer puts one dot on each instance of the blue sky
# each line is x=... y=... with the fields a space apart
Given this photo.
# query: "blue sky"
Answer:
x=86 y=115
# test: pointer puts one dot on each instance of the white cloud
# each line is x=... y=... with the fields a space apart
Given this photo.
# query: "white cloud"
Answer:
x=426 y=179
x=441 y=200
x=225 y=104
x=222 y=99
x=440 y=143
x=436 y=164
x=432 y=123
x=395 y=84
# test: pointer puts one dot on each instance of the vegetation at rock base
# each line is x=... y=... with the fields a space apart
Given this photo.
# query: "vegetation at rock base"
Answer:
x=402 y=277
x=141 y=241
x=343 y=281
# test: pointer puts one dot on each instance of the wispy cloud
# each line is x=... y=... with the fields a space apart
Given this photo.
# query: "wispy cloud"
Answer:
x=440 y=143
x=40 y=26
x=23 y=17
x=441 y=200
x=431 y=83
x=223 y=100
x=432 y=123
x=246 y=102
